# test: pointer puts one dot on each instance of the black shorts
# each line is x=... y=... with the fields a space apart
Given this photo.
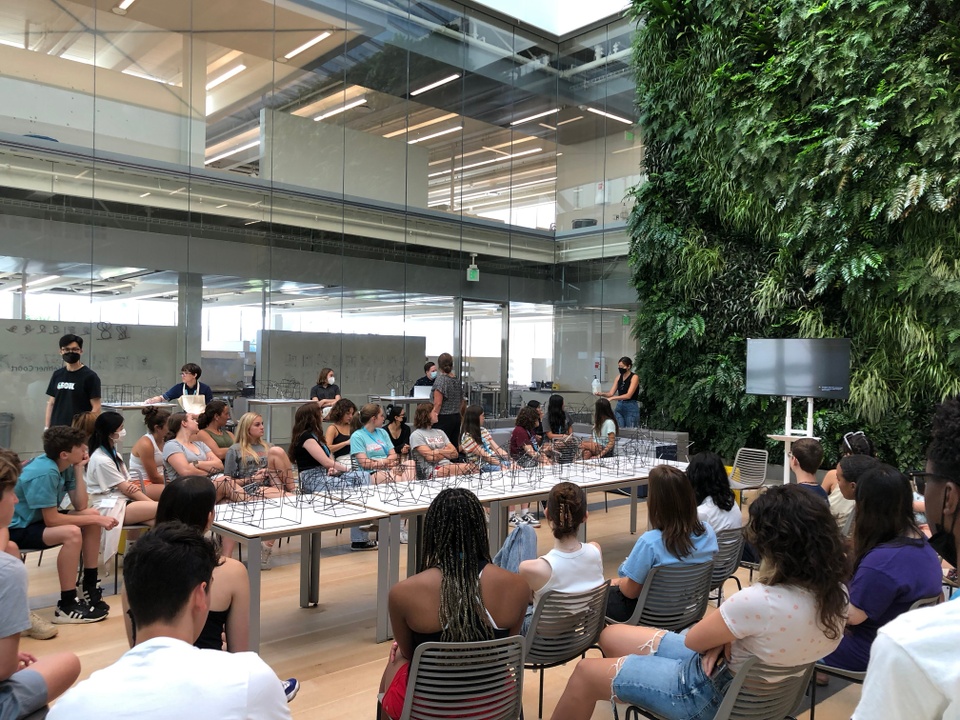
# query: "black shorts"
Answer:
x=30 y=537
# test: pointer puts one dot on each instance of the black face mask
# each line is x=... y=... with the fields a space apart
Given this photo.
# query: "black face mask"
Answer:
x=623 y=370
x=943 y=542
x=71 y=357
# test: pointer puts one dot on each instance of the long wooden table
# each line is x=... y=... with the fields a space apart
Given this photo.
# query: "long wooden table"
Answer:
x=390 y=505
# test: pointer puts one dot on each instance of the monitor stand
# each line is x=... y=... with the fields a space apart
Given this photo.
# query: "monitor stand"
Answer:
x=791 y=434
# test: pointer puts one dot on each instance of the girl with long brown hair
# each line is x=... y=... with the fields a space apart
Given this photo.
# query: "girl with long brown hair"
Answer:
x=677 y=537
x=793 y=615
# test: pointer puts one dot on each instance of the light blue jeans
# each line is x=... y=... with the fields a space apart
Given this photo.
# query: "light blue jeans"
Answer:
x=671 y=682
x=520 y=545
x=627 y=413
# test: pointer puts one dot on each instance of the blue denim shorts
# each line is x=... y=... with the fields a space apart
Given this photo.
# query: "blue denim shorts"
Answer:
x=671 y=682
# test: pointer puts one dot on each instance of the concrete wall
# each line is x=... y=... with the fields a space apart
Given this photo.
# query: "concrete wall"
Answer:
x=299 y=151
x=104 y=110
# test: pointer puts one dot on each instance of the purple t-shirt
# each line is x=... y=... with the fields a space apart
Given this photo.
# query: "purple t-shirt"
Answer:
x=888 y=581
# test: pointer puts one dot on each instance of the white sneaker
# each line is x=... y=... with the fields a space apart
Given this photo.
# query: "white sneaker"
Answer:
x=530 y=519
x=40 y=629
x=404 y=537
x=265 y=561
x=515 y=520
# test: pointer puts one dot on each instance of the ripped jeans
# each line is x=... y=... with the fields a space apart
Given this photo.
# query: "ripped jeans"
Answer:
x=671 y=682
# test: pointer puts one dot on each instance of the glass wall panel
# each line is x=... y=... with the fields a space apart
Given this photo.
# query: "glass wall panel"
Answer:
x=304 y=185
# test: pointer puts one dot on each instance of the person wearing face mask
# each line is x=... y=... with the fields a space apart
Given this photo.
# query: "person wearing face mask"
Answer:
x=72 y=389
x=626 y=391
x=914 y=669
x=107 y=479
x=326 y=392
x=429 y=375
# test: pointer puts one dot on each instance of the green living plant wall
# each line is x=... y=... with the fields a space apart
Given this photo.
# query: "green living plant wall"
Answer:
x=802 y=181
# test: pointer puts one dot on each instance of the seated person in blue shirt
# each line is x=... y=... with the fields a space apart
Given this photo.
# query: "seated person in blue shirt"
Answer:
x=677 y=537
x=190 y=385
x=805 y=457
x=429 y=375
x=39 y=524
x=26 y=683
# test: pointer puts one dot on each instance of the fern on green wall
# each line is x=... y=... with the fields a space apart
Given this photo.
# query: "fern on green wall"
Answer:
x=803 y=179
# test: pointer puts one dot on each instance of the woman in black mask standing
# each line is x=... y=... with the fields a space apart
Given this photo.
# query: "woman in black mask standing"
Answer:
x=626 y=391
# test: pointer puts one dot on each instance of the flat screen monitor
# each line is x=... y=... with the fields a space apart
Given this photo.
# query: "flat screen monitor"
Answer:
x=799 y=367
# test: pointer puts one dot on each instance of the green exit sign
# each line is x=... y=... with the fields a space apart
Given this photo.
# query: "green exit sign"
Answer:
x=625 y=320
x=473 y=274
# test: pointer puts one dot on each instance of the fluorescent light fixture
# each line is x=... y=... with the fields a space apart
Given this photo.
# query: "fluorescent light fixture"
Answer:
x=487 y=162
x=42 y=280
x=125 y=5
x=342 y=108
x=548 y=127
x=220 y=207
x=578 y=117
x=74 y=58
x=155 y=294
x=111 y=288
x=307 y=45
x=610 y=115
x=252 y=222
x=13 y=43
x=436 y=134
x=438 y=83
x=144 y=76
x=145 y=195
x=500 y=191
x=534 y=117
x=227 y=154
x=419 y=126
x=232 y=72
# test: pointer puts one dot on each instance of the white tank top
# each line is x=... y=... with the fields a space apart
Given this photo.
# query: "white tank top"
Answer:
x=573 y=571
x=137 y=467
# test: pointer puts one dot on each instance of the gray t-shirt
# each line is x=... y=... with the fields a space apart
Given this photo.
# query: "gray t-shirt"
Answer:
x=172 y=447
x=234 y=466
x=14 y=610
x=452 y=393
x=433 y=438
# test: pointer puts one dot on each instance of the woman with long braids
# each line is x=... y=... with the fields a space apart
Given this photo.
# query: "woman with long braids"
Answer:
x=793 y=615
x=460 y=596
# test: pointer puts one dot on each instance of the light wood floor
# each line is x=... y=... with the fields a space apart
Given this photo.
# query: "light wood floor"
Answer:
x=331 y=648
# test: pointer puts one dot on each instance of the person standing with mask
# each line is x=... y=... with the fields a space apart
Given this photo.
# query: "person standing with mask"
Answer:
x=74 y=388
x=914 y=668
x=626 y=391
x=429 y=375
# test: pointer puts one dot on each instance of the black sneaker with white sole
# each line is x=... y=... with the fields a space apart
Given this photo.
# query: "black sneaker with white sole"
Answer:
x=93 y=597
x=77 y=612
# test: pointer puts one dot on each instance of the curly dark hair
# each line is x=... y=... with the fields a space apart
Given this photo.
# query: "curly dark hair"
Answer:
x=455 y=542
x=943 y=453
x=709 y=479
x=800 y=544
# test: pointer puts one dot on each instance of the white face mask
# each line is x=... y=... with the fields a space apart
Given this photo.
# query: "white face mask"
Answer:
x=120 y=435
x=331 y=380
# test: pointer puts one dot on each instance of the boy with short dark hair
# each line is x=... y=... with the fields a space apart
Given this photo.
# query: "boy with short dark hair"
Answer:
x=167 y=575
x=805 y=457
x=38 y=523
x=26 y=683
x=72 y=389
